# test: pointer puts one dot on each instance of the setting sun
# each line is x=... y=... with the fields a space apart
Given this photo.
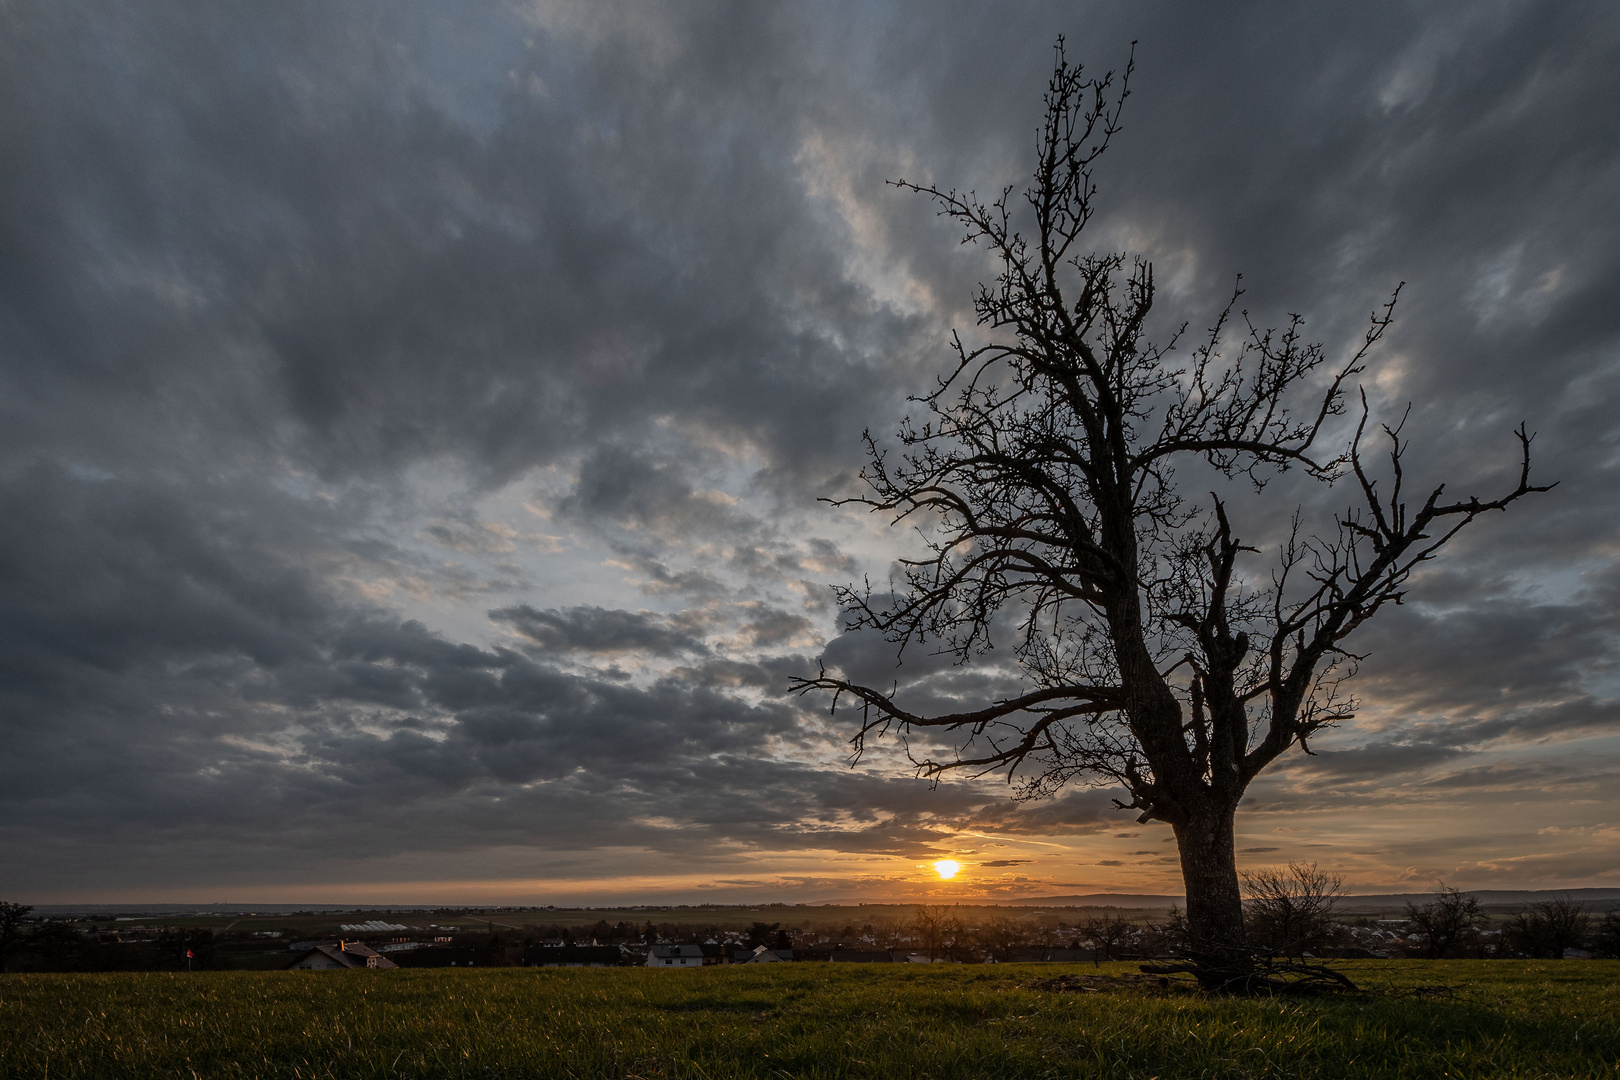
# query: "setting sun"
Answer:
x=947 y=868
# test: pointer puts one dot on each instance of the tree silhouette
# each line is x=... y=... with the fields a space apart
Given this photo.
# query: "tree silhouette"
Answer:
x=1606 y=938
x=1001 y=937
x=1043 y=481
x=937 y=930
x=1449 y=920
x=1290 y=908
x=1108 y=934
x=13 y=932
x=1548 y=926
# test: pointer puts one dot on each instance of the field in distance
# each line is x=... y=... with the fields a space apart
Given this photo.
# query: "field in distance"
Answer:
x=1500 y=1018
x=807 y=917
x=325 y=920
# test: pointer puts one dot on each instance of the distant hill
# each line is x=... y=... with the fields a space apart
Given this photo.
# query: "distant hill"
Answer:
x=1599 y=899
x=1488 y=897
x=1364 y=901
x=1119 y=900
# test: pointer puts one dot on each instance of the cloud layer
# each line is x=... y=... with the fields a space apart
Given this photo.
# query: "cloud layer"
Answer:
x=412 y=419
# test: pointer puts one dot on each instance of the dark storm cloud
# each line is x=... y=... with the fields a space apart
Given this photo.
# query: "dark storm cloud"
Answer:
x=1493 y=667
x=1560 y=777
x=281 y=286
x=310 y=729
x=1379 y=761
x=618 y=486
x=332 y=714
x=287 y=206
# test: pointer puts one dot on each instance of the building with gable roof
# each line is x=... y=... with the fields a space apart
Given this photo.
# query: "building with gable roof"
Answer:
x=345 y=954
x=666 y=956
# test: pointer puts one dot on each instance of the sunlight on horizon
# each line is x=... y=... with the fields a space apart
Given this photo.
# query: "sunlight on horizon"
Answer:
x=947 y=868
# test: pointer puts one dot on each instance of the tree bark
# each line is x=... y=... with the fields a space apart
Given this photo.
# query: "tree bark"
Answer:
x=1208 y=844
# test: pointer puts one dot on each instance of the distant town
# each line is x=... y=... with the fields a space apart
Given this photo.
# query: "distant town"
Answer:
x=1488 y=924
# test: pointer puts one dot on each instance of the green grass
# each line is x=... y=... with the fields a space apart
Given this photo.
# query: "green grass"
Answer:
x=1505 y=1019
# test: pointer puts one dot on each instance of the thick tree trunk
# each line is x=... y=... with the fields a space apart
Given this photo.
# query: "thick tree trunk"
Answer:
x=1208 y=844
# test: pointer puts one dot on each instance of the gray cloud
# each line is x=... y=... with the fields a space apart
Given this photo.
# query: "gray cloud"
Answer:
x=296 y=302
x=596 y=630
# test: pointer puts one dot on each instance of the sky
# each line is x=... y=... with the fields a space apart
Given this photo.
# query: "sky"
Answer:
x=413 y=416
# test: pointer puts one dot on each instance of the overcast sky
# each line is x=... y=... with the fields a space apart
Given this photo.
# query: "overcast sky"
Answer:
x=412 y=416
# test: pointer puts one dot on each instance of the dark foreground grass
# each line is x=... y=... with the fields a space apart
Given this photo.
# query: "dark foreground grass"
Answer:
x=1503 y=1019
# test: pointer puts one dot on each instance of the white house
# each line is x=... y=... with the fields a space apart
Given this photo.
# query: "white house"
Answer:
x=672 y=956
x=762 y=955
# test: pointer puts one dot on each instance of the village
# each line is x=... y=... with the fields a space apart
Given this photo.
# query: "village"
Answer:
x=1554 y=927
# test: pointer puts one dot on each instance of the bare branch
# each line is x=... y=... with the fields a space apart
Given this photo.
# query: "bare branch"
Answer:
x=1040 y=483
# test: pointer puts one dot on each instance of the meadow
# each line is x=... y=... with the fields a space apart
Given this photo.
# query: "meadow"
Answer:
x=1418 y=1019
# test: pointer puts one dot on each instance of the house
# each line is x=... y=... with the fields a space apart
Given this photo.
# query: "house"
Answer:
x=573 y=956
x=761 y=955
x=345 y=954
x=685 y=955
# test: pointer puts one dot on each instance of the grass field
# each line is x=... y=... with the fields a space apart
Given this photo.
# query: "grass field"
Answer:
x=1502 y=1019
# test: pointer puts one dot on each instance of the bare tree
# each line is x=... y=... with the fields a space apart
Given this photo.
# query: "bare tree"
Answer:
x=13 y=922
x=1449 y=920
x=1043 y=482
x=1290 y=908
x=1001 y=937
x=1108 y=934
x=1548 y=927
x=1170 y=938
x=1606 y=938
x=937 y=930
